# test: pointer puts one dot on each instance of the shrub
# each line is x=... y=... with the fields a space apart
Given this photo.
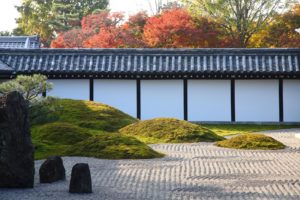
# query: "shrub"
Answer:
x=169 y=130
x=29 y=86
x=44 y=110
x=252 y=141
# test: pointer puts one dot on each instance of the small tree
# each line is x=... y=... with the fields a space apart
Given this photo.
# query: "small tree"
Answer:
x=29 y=86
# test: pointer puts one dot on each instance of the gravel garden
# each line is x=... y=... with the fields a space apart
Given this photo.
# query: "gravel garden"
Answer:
x=116 y=156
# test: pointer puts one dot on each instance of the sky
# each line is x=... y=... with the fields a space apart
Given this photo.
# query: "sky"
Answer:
x=8 y=13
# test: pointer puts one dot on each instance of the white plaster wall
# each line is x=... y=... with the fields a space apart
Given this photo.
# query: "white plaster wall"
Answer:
x=161 y=98
x=120 y=94
x=209 y=100
x=257 y=100
x=70 y=88
x=291 y=100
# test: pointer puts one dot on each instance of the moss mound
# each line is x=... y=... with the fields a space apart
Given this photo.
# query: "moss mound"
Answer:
x=168 y=130
x=44 y=149
x=85 y=114
x=60 y=138
x=68 y=127
x=252 y=141
x=60 y=133
x=112 y=146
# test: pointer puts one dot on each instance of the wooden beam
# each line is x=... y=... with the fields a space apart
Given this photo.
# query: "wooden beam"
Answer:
x=233 y=100
x=185 y=99
x=281 y=115
x=138 y=98
x=91 y=89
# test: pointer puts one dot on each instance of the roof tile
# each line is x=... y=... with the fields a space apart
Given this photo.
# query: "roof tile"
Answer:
x=19 y=42
x=151 y=61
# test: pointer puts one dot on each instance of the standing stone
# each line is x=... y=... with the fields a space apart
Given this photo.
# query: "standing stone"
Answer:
x=52 y=170
x=16 y=149
x=81 y=181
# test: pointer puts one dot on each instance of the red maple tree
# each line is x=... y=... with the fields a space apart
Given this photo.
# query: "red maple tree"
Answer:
x=176 y=28
x=71 y=39
x=173 y=28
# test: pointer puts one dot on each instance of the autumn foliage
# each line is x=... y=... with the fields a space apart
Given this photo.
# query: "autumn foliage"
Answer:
x=105 y=30
x=71 y=39
x=281 y=32
x=173 y=28
x=176 y=28
x=109 y=33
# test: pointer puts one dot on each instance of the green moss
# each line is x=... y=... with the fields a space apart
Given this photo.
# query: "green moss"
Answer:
x=112 y=146
x=60 y=133
x=85 y=114
x=93 y=115
x=83 y=128
x=44 y=149
x=233 y=129
x=69 y=140
x=168 y=130
x=251 y=141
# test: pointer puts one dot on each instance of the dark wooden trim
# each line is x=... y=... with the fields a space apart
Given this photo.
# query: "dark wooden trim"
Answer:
x=91 y=89
x=151 y=51
x=281 y=111
x=232 y=100
x=138 y=98
x=185 y=99
x=6 y=76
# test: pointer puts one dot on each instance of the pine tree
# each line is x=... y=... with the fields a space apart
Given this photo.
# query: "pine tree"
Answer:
x=65 y=15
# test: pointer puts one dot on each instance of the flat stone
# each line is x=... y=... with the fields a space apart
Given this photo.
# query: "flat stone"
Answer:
x=81 y=181
x=16 y=149
x=52 y=170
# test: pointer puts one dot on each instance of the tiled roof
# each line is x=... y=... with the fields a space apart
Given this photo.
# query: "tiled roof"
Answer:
x=19 y=42
x=4 y=68
x=153 y=61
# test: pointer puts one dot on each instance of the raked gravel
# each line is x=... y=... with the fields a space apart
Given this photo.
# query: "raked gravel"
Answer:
x=189 y=171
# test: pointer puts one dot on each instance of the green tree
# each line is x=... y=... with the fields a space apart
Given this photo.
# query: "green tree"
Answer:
x=240 y=19
x=47 y=18
x=29 y=86
x=35 y=19
x=66 y=16
x=68 y=13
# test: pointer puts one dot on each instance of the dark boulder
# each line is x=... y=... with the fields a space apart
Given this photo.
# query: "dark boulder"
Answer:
x=52 y=170
x=81 y=181
x=16 y=149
